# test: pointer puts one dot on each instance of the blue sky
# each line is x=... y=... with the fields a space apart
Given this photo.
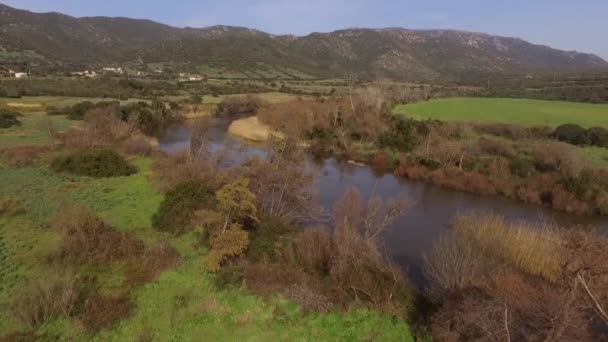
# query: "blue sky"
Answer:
x=566 y=24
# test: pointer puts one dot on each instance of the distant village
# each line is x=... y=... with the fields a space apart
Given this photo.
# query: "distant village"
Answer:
x=108 y=71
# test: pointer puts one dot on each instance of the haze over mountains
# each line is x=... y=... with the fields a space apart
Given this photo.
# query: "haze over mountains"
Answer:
x=61 y=40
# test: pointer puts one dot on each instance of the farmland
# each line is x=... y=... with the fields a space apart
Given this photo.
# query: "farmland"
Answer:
x=512 y=111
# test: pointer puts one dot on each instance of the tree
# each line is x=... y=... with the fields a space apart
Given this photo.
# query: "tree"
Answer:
x=236 y=203
x=282 y=183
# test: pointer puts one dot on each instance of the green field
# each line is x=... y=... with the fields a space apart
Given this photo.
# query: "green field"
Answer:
x=513 y=111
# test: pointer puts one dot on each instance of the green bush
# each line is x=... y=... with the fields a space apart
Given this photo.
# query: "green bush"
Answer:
x=78 y=111
x=522 y=166
x=95 y=163
x=176 y=210
x=8 y=118
x=597 y=136
x=401 y=135
x=576 y=135
x=570 y=133
x=264 y=239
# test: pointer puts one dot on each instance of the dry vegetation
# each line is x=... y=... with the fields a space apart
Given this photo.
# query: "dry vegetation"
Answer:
x=490 y=278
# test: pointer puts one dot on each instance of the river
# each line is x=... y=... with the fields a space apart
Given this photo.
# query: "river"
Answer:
x=433 y=208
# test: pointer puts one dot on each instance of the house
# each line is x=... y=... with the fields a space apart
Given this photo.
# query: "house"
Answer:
x=196 y=78
x=114 y=70
x=21 y=75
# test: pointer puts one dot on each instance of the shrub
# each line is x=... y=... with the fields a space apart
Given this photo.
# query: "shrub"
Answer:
x=269 y=233
x=233 y=106
x=87 y=239
x=230 y=275
x=102 y=312
x=496 y=147
x=95 y=163
x=381 y=162
x=46 y=298
x=232 y=243
x=570 y=133
x=79 y=110
x=509 y=131
x=177 y=209
x=308 y=292
x=311 y=251
x=9 y=118
x=152 y=263
x=401 y=135
x=522 y=166
x=137 y=144
x=597 y=136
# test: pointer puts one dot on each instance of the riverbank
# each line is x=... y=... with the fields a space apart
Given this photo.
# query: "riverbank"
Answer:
x=490 y=159
x=252 y=129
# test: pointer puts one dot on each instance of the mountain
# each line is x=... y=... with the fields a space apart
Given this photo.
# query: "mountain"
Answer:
x=57 y=39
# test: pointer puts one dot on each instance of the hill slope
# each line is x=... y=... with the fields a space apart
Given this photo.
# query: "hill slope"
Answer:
x=53 y=38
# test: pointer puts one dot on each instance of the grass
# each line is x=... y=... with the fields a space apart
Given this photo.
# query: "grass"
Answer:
x=513 y=111
x=183 y=304
x=33 y=129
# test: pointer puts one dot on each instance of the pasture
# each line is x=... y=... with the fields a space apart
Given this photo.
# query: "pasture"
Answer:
x=511 y=111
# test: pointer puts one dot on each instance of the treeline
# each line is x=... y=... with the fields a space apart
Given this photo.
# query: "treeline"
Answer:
x=98 y=87
x=589 y=90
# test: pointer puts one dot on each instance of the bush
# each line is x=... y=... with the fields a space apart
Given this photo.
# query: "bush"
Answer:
x=569 y=133
x=177 y=209
x=496 y=147
x=234 y=106
x=269 y=232
x=522 y=166
x=137 y=144
x=87 y=239
x=46 y=298
x=311 y=251
x=102 y=312
x=79 y=110
x=232 y=243
x=597 y=136
x=95 y=163
x=152 y=263
x=9 y=118
x=401 y=135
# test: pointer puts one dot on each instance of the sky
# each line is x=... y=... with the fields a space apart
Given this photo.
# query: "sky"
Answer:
x=565 y=24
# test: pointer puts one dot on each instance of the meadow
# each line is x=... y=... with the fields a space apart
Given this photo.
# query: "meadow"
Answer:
x=511 y=111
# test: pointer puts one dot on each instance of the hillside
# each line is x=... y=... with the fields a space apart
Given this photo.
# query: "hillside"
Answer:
x=57 y=39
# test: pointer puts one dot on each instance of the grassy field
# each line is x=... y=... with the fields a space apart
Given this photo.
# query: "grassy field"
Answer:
x=513 y=111
x=183 y=304
x=33 y=129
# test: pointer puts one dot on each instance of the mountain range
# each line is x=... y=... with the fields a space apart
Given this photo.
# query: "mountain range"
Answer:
x=61 y=40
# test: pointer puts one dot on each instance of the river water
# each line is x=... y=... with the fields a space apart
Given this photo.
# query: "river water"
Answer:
x=433 y=208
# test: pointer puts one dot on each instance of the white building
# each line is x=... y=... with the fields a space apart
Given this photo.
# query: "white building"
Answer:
x=21 y=75
x=116 y=70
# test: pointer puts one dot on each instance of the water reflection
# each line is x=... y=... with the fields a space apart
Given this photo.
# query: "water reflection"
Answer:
x=433 y=208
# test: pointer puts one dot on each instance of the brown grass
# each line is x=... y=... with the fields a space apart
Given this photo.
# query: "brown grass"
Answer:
x=534 y=251
x=21 y=156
